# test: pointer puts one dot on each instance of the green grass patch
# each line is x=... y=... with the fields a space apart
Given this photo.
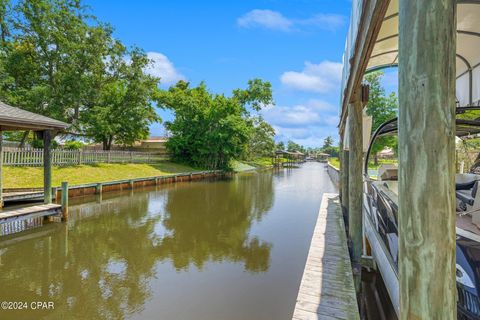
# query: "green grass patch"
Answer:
x=262 y=162
x=31 y=177
x=238 y=166
x=372 y=165
x=334 y=161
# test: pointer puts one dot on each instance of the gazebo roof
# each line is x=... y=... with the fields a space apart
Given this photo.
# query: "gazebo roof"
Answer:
x=12 y=119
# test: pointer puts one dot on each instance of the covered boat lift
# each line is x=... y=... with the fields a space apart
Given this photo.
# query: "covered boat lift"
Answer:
x=435 y=45
x=15 y=119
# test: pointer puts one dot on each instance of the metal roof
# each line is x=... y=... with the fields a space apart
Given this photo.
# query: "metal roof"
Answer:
x=385 y=51
x=372 y=44
x=12 y=118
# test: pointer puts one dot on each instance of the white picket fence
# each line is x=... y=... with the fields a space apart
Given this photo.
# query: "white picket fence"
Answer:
x=60 y=157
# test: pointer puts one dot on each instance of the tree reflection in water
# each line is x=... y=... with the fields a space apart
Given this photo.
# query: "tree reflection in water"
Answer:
x=211 y=222
x=100 y=266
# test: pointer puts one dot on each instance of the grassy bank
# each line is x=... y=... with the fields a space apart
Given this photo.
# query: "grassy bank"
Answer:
x=31 y=177
x=336 y=163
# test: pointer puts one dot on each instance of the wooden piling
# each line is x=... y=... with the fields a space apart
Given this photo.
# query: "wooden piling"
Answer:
x=98 y=188
x=64 y=201
x=355 y=194
x=344 y=183
x=47 y=166
x=427 y=35
x=1 y=169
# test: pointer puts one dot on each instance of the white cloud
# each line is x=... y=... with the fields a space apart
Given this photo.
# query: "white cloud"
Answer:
x=308 y=123
x=322 y=77
x=274 y=20
x=324 y=21
x=162 y=67
x=314 y=112
x=265 y=18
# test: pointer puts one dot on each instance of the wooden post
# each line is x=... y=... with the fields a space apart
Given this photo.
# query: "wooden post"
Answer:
x=344 y=180
x=47 y=166
x=1 y=169
x=427 y=31
x=344 y=172
x=98 y=188
x=355 y=195
x=64 y=201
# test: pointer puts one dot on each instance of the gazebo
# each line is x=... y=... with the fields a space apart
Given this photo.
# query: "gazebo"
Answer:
x=322 y=157
x=16 y=119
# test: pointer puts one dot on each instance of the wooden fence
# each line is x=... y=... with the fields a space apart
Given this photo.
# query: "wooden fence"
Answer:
x=60 y=157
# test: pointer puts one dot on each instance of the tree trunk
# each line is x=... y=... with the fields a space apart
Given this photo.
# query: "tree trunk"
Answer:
x=375 y=159
x=24 y=138
x=109 y=145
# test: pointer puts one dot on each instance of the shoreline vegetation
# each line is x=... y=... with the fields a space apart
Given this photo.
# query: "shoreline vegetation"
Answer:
x=32 y=177
x=335 y=162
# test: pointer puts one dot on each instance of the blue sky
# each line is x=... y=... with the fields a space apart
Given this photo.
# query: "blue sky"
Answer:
x=296 y=45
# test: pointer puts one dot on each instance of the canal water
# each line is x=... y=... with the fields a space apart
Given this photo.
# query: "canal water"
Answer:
x=224 y=249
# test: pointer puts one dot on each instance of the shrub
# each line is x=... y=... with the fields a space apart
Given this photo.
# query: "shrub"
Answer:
x=73 y=145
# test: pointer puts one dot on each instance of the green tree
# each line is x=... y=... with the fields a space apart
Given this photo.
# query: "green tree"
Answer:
x=124 y=109
x=210 y=130
x=52 y=56
x=327 y=142
x=261 y=143
x=293 y=147
x=381 y=108
x=331 y=150
x=58 y=60
x=280 y=146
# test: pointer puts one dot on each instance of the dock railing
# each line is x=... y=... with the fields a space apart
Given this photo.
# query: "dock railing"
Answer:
x=61 y=157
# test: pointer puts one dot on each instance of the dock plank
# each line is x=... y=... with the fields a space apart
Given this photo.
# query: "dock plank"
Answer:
x=29 y=212
x=327 y=289
x=19 y=196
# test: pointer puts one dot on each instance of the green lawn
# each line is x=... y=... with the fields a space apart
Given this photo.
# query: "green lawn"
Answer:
x=262 y=162
x=30 y=177
x=336 y=162
x=238 y=166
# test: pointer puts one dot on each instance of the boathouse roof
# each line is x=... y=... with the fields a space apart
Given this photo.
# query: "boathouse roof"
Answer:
x=12 y=118
x=372 y=44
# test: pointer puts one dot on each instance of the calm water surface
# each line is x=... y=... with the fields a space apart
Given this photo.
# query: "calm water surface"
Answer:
x=229 y=249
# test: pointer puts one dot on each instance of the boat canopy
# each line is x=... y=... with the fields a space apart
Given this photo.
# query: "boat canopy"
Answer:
x=467 y=124
x=385 y=50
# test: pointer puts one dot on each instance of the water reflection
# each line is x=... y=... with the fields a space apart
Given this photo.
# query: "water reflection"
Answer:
x=212 y=222
x=101 y=265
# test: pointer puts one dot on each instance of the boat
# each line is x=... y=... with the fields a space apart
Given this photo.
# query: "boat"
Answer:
x=381 y=215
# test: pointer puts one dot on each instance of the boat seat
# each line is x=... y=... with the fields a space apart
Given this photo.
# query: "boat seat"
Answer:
x=466 y=196
x=465 y=178
x=468 y=200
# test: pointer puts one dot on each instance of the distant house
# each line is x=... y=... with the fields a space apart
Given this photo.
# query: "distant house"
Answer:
x=152 y=144
x=157 y=143
x=386 y=153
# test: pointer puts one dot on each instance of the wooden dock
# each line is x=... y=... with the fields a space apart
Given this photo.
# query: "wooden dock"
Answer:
x=43 y=210
x=19 y=196
x=327 y=290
